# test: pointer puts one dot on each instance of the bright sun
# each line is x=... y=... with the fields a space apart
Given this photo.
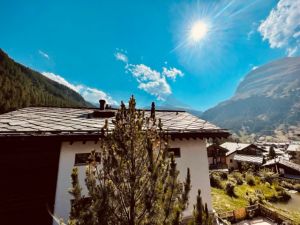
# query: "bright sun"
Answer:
x=198 y=31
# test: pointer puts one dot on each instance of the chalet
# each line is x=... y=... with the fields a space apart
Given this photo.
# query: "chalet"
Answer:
x=216 y=156
x=41 y=145
x=294 y=152
x=284 y=167
x=238 y=153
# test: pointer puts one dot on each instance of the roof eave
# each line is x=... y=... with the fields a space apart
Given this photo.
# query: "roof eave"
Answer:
x=92 y=135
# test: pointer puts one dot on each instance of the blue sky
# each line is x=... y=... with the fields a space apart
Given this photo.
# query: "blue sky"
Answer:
x=112 y=49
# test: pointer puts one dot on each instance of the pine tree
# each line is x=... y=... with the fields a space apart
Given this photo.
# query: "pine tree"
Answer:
x=133 y=179
x=272 y=153
x=201 y=214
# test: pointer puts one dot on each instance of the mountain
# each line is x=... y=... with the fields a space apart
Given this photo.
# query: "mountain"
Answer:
x=172 y=103
x=267 y=101
x=22 y=87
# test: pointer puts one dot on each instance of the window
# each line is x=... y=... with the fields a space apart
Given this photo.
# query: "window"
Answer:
x=231 y=161
x=175 y=151
x=83 y=159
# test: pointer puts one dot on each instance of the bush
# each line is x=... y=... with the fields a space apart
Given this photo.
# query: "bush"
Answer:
x=297 y=187
x=223 y=175
x=268 y=185
x=260 y=195
x=238 y=178
x=229 y=188
x=267 y=175
x=247 y=167
x=252 y=201
x=278 y=188
x=250 y=179
x=283 y=196
x=287 y=185
x=271 y=198
x=215 y=181
x=239 y=181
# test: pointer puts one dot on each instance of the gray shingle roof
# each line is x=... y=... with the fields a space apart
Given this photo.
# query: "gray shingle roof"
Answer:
x=284 y=162
x=293 y=148
x=233 y=147
x=64 y=121
x=248 y=158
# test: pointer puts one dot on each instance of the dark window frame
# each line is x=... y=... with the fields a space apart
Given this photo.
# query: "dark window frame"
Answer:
x=176 y=151
x=82 y=159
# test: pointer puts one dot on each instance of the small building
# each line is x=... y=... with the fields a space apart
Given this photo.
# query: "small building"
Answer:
x=41 y=145
x=294 y=152
x=284 y=167
x=216 y=156
x=238 y=153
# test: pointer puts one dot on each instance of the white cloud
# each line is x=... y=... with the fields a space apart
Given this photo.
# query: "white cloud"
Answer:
x=143 y=72
x=150 y=80
x=121 y=57
x=92 y=95
x=172 y=72
x=45 y=55
x=159 y=88
x=282 y=26
x=61 y=80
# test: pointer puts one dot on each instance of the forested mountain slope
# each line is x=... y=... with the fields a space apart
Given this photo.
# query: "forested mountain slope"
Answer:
x=21 y=86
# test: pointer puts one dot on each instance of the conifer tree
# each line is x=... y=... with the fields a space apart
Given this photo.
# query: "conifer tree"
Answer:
x=272 y=153
x=133 y=179
x=201 y=214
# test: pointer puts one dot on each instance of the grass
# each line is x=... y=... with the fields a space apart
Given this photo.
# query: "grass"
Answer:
x=222 y=202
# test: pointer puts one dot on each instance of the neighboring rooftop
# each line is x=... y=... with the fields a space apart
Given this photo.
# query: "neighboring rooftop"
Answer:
x=283 y=162
x=248 y=159
x=70 y=121
x=233 y=147
x=293 y=148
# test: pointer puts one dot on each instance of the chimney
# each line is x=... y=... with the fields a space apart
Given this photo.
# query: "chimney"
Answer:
x=102 y=104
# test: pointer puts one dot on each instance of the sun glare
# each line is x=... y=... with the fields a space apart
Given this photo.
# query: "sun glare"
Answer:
x=198 y=31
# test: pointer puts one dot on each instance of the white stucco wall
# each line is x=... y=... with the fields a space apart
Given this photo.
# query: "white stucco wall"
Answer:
x=232 y=164
x=193 y=155
x=66 y=164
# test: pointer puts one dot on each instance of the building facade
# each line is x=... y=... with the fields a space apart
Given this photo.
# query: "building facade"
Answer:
x=51 y=140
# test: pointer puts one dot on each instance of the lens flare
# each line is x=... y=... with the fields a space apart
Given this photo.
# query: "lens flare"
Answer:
x=198 y=31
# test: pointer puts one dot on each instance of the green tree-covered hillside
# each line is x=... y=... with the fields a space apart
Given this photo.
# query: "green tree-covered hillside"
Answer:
x=22 y=87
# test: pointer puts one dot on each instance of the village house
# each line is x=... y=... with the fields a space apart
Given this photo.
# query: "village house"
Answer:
x=41 y=145
x=294 y=151
x=284 y=167
x=216 y=156
x=238 y=153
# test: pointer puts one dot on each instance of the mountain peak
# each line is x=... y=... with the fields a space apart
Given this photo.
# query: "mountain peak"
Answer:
x=267 y=99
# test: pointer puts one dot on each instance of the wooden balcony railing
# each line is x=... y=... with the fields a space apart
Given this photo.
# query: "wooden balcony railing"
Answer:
x=255 y=211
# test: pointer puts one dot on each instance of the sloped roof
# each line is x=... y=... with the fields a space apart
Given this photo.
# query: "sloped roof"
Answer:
x=293 y=148
x=67 y=121
x=248 y=159
x=284 y=162
x=233 y=147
